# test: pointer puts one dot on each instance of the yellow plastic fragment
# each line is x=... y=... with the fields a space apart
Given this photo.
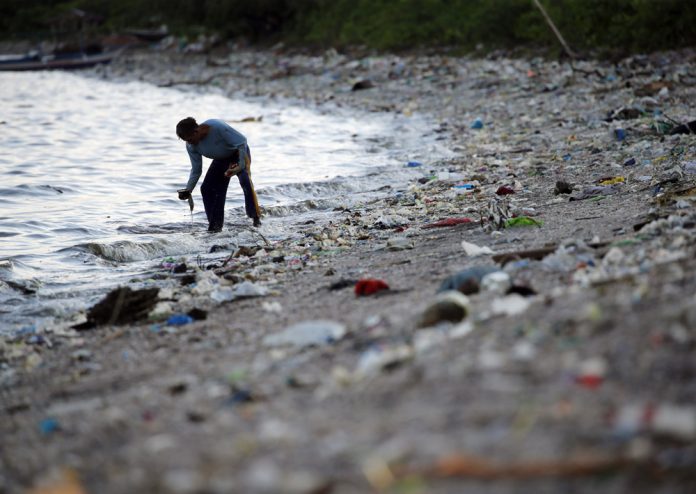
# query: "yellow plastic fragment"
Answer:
x=64 y=482
x=613 y=180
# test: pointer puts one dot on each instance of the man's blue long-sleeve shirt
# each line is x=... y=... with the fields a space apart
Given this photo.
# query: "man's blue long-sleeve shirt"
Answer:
x=220 y=143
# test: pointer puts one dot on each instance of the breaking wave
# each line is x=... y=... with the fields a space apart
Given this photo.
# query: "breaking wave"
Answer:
x=300 y=207
x=129 y=251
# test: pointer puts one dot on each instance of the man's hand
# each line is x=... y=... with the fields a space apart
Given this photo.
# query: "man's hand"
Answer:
x=233 y=170
x=184 y=194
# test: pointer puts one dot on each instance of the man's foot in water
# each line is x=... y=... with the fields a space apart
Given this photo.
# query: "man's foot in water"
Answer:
x=214 y=229
x=257 y=222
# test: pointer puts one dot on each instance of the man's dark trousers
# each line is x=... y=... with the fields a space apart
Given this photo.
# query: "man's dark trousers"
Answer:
x=214 y=192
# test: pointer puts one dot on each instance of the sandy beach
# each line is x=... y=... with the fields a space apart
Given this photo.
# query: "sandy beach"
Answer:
x=568 y=368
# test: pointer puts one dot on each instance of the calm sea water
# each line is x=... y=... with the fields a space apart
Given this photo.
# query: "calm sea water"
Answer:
x=89 y=172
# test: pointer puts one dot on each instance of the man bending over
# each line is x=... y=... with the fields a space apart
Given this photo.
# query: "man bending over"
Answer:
x=231 y=155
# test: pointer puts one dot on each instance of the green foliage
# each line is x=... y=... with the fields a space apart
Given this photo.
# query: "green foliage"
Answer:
x=626 y=25
x=586 y=24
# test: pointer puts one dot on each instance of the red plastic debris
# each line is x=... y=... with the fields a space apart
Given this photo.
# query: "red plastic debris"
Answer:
x=448 y=222
x=369 y=286
x=589 y=381
x=505 y=190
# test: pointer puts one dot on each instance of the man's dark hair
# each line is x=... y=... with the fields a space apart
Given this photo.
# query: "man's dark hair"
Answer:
x=186 y=127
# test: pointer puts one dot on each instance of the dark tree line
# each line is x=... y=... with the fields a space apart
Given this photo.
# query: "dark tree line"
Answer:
x=624 y=25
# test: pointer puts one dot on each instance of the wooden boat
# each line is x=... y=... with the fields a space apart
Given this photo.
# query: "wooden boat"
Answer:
x=75 y=60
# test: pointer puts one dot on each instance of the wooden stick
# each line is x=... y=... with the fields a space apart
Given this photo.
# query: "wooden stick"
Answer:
x=554 y=29
x=196 y=82
x=459 y=466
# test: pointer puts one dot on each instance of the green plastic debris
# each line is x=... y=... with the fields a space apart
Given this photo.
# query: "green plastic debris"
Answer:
x=662 y=127
x=626 y=242
x=522 y=221
x=236 y=376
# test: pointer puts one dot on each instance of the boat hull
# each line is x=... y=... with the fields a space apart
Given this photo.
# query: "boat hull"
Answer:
x=78 y=61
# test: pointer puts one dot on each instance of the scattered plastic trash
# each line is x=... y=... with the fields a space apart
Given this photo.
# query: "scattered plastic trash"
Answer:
x=676 y=422
x=563 y=187
x=81 y=355
x=591 y=373
x=413 y=164
x=399 y=243
x=477 y=124
x=452 y=306
x=612 y=180
x=240 y=397
x=168 y=263
x=597 y=191
x=307 y=333
x=341 y=284
x=522 y=221
x=363 y=84
x=382 y=357
x=498 y=282
x=273 y=307
x=245 y=289
x=206 y=282
x=624 y=114
x=223 y=294
x=48 y=426
x=198 y=314
x=448 y=222
x=369 y=286
x=505 y=190
x=467 y=281
x=24 y=331
x=620 y=134
x=179 y=320
x=536 y=254
x=510 y=305
x=687 y=128
x=474 y=250
x=295 y=263
x=465 y=186
x=689 y=167
x=390 y=221
x=65 y=481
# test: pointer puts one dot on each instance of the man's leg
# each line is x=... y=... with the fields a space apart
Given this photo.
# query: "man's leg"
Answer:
x=214 y=191
x=251 y=203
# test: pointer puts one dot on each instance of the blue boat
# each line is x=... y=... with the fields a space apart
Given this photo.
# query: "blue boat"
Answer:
x=75 y=60
x=72 y=28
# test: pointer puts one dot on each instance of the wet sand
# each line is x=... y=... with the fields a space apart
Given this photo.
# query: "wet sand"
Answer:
x=586 y=385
